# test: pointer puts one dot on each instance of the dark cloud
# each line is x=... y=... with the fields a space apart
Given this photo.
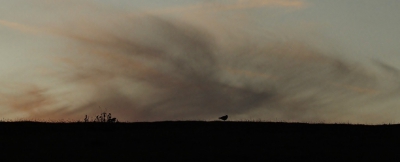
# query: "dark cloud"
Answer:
x=148 y=67
x=180 y=66
x=190 y=74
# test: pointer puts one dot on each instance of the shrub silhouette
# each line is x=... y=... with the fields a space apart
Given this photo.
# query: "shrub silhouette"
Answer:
x=86 y=119
x=102 y=118
x=223 y=117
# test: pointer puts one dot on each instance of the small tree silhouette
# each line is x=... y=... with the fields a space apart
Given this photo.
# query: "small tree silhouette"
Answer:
x=102 y=118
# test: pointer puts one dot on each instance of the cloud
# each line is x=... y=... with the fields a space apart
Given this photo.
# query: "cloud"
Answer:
x=30 y=100
x=243 y=4
x=219 y=6
x=152 y=67
x=155 y=68
x=19 y=27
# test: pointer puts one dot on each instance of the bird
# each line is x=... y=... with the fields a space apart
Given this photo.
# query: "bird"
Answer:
x=223 y=117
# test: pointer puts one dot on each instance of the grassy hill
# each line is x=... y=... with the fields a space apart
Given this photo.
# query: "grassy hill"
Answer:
x=197 y=141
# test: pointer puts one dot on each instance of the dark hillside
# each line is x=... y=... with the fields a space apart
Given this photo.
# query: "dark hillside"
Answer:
x=192 y=140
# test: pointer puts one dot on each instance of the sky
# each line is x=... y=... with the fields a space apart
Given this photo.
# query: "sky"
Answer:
x=152 y=60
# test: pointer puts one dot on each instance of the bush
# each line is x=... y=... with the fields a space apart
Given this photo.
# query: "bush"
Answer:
x=102 y=118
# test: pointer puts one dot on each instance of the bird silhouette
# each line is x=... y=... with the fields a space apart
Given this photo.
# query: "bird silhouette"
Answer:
x=223 y=117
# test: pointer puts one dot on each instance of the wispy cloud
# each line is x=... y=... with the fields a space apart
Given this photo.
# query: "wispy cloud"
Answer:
x=30 y=99
x=151 y=67
x=243 y=4
x=218 y=6
x=184 y=72
x=19 y=27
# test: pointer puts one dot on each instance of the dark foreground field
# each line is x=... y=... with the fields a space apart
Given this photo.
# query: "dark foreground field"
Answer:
x=197 y=141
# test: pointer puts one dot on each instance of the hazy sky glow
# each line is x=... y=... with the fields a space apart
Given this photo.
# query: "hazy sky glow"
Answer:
x=286 y=60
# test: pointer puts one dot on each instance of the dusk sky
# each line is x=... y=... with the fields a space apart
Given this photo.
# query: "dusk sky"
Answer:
x=150 y=60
